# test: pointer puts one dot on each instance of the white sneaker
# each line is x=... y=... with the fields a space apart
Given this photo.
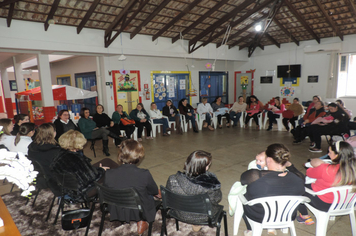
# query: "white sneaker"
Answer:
x=139 y=140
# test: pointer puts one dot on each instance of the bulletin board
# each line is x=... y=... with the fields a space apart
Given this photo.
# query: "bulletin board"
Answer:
x=170 y=85
x=293 y=80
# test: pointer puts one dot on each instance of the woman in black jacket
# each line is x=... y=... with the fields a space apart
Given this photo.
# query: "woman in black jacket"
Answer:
x=19 y=120
x=63 y=123
x=188 y=111
x=337 y=125
x=172 y=113
x=102 y=120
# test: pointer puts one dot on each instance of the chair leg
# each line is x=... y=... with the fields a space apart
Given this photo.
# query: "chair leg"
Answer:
x=50 y=208
x=60 y=207
x=177 y=225
x=353 y=223
x=218 y=226
x=150 y=229
x=34 y=200
x=163 y=227
x=321 y=224
x=225 y=225
x=292 y=230
x=90 y=217
x=12 y=188
x=92 y=147
x=102 y=223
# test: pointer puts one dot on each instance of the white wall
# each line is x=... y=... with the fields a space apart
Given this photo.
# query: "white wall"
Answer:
x=317 y=63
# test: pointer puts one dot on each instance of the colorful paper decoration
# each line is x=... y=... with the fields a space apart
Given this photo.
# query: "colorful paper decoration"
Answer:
x=208 y=65
x=287 y=91
x=123 y=71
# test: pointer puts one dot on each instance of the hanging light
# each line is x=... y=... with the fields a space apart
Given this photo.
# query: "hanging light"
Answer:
x=258 y=27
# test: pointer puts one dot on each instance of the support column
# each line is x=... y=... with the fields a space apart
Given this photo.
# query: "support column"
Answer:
x=44 y=73
x=6 y=89
x=107 y=95
x=18 y=75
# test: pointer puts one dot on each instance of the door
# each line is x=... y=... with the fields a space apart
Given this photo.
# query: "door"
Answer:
x=213 y=84
x=127 y=87
x=87 y=81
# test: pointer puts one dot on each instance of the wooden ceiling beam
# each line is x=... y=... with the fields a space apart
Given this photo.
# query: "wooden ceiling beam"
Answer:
x=241 y=19
x=238 y=33
x=353 y=7
x=177 y=18
x=127 y=22
x=120 y=17
x=240 y=40
x=51 y=13
x=272 y=13
x=201 y=19
x=7 y=2
x=329 y=20
x=11 y=13
x=301 y=20
x=272 y=40
x=149 y=18
x=286 y=31
x=87 y=15
x=220 y=22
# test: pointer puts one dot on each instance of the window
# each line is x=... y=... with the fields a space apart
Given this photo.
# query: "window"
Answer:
x=213 y=84
x=347 y=75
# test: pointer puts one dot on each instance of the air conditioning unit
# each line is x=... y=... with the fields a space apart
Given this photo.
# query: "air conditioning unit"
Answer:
x=322 y=48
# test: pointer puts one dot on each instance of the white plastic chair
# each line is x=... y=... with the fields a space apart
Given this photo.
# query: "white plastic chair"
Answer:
x=170 y=123
x=184 y=122
x=259 y=116
x=154 y=128
x=278 y=213
x=215 y=120
x=279 y=122
x=343 y=204
x=201 y=118
x=241 y=120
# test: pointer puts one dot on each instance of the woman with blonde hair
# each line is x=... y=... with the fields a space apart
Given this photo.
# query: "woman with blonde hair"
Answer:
x=23 y=138
x=72 y=160
x=5 y=135
x=128 y=175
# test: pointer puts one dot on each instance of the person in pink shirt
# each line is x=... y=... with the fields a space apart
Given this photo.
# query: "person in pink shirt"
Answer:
x=342 y=171
x=254 y=107
x=275 y=111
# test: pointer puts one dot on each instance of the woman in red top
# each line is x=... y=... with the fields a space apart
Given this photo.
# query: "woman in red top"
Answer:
x=342 y=171
x=274 y=112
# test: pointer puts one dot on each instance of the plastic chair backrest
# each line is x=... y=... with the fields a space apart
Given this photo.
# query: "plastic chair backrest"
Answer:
x=278 y=209
x=124 y=198
x=194 y=204
x=344 y=200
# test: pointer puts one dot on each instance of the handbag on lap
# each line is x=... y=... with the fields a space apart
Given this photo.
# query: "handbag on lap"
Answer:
x=127 y=122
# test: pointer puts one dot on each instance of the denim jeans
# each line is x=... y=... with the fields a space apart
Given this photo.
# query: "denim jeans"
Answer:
x=162 y=121
x=235 y=116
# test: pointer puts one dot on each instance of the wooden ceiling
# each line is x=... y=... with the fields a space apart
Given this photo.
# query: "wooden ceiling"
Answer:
x=230 y=22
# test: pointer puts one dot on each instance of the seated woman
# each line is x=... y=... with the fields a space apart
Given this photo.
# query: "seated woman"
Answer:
x=91 y=131
x=188 y=111
x=334 y=123
x=254 y=107
x=128 y=175
x=236 y=110
x=274 y=112
x=220 y=110
x=71 y=160
x=5 y=135
x=294 y=110
x=23 y=138
x=63 y=123
x=205 y=109
x=196 y=179
x=118 y=116
x=19 y=120
x=341 y=172
x=44 y=148
x=303 y=129
x=157 y=117
x=142 y=119
x=275 y=181
x=102 y=120
x=172 y=113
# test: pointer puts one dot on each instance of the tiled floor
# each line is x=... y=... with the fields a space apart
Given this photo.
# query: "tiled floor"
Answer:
x=232 y=150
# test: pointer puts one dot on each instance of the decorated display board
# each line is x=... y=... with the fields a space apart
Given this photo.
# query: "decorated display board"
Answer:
x=173 y=85
x=126 y=88
x=244 y=84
